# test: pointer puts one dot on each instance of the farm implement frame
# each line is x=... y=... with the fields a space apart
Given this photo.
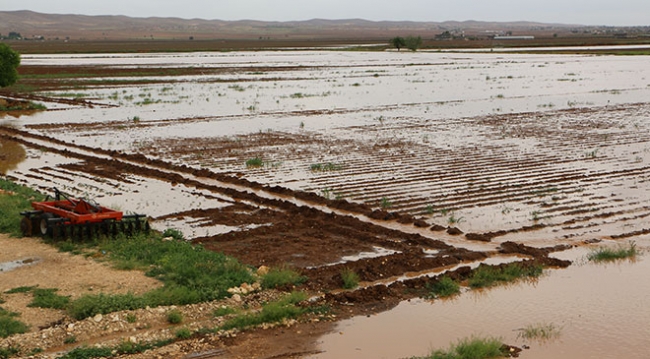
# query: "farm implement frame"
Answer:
x=67 y=217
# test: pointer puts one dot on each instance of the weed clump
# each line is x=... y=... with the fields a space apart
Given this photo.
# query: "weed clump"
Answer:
x=487 y=276
x=471 y=348
x=604 y=254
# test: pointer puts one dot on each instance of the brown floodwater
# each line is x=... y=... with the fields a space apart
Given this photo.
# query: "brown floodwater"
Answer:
x=599 y=311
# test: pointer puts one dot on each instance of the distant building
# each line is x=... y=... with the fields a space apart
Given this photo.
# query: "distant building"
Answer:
x=509 y=37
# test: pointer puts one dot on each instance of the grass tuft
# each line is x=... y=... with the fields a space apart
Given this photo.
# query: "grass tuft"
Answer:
x=254 y=162
x=445 y=287
x=174 y=317
x=183 y=333
x=486 y=276
x=541 y=331
x=350 y=278
x=605 y=254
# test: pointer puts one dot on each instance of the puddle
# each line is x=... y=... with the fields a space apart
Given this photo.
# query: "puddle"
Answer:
x=376 y=253
x=11 y=154
x=584 y=301
x=9 y=266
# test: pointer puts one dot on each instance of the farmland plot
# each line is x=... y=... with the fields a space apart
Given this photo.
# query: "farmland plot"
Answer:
x=398 y=166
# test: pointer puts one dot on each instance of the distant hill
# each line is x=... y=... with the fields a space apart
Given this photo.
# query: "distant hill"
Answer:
x=81 y=27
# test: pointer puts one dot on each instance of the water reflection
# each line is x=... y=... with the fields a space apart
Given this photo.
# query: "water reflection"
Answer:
x=11 y=154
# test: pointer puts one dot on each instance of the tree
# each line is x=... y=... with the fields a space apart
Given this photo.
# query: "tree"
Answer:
x=9 y=61
x=413 y=43
x=397 y=42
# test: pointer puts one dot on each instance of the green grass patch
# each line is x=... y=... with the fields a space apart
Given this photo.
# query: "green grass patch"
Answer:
x=329 y=166
x=606 y=254
x=487 y=276
x=125 y=347
x=281 y=276
x=273 y=312
x=12 y=204
x=92 y=304
x=445 y=287
x=223 y=311
x=191 y=274
x=8 y=352
x=47 y=298
x=254 y=162
x=540 y=331
x=350 y=278
x=471 y=348
x=9 y=325
x=21 y=289
x=28 y=106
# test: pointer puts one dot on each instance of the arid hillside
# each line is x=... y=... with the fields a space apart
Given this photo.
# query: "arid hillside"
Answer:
x=79 y=27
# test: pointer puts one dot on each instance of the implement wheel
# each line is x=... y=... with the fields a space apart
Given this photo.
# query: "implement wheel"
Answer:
x=26 y=227
x=45 y=226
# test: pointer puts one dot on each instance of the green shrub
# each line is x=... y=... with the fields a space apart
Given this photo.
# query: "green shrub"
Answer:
x=47 y=298
x=445 y=287
x=472 y=348
x=70 y=340
x=183 y=333
x=131 y=318
x=605 y=254
x=281 y=276
x=174 y=317
x=9 y=325
x=174 y=233
x=350 y=278
x=486 y=276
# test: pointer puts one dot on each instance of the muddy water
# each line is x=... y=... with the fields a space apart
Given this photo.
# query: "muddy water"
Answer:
x=600 y=310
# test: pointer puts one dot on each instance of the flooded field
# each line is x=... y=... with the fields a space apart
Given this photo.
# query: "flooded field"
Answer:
x=399 y=166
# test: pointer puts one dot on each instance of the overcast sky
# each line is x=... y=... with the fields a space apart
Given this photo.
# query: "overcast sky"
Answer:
x=582 y=12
